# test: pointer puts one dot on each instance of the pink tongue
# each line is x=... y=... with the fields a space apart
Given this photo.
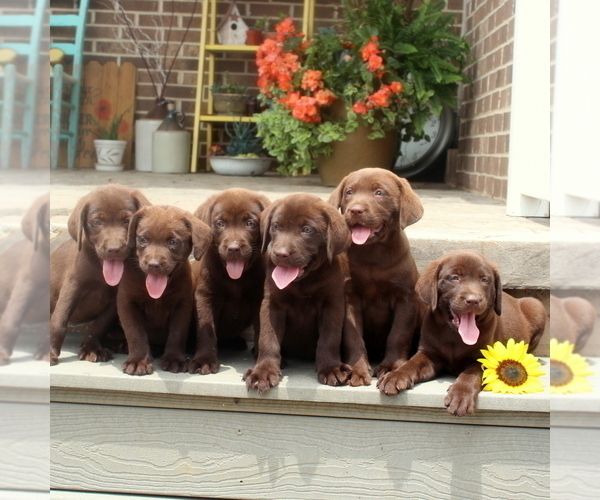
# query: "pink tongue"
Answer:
x=156 y=284
x=112 y=271
x=235 y=268
x=468 y=329
x=283 y=276
x=360 y=234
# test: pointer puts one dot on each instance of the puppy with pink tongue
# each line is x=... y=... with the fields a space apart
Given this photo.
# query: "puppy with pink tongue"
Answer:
x=302 y=312
x=229 y=279
x=155 y=296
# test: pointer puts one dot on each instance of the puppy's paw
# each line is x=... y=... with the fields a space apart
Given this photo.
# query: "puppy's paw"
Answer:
x=361 y=374
x=394 y=382
x=204 y=365
x=94 y=354
x=42 y=355
x=387 y=367
x=53 y=357
x=460 y=401
x=336 y=375
x=174 y=362
x=262 y=377
x=138 y=367
x=4 y=357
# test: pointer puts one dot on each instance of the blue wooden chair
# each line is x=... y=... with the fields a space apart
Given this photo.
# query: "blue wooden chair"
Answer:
x=19 y=83
x=64 y=119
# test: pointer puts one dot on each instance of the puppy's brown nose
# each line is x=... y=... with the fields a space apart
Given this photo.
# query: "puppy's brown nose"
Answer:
x=234 y=248
x=282 y=253
x=472 y=300
x=113 y=249
x=356 y=210
x=154 y=264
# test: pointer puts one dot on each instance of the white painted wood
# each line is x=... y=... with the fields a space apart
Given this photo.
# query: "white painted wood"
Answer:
x=24 y=495
x=528 y=189
x=575 y=172
x=81 y=495
x=228 y=455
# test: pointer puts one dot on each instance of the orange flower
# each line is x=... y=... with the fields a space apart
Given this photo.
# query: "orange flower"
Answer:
x=360 y=108
x=306 y=109
x=103 y=110
x=375 y=63
x=124 y=127
x=381 y=98
x=311 y=80
x=396 y=87
x=286 y=26
x=324 y=97
x=371 y=49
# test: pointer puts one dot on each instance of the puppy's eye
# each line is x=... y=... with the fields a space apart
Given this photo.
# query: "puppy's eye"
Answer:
x=485 y=279
x=96 y=222
x=250 y=223
x=173 y=243
x=307 y=229
x=379 y=192
x=126 y=222
x=142 y=240
x=349 y=192
x=454 y=278
x=275 y=227
x=220 y=223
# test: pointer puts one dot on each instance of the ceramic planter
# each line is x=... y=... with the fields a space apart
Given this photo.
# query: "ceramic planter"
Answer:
x=229 y=104
x=234 y=165
x=109 y=154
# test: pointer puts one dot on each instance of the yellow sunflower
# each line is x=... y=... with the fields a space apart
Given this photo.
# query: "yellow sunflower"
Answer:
x=568 y=371
x=510 y=369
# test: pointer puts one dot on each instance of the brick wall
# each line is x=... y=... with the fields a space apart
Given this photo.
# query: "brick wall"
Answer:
x=481 y=162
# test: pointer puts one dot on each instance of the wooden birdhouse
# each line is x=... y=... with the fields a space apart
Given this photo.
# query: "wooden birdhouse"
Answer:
x=232 y=28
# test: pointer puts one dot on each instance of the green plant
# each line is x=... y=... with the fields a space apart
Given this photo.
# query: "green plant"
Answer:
x=110 y=133
x=385 y=64
x=263 y=24
x=226 y=87
x=244 y=141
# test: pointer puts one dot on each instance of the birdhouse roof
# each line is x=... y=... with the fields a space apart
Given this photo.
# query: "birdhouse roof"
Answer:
x=232 y=12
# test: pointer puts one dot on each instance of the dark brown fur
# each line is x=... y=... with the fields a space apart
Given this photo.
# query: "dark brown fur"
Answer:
x=464 y=281
x=24 y=281
x=226 y=306
x=305 y=318
x=163 y=238
x=78 y=290
x=571 y=319
x=383 y=311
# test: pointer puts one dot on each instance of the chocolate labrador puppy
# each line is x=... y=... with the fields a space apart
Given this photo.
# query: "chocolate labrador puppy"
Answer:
x=302 y=311
x=468 y=311
x=572 y=319
x=229 y=280
x=155 y=297
x=25 y=281
x=383 y=310
x=85 y=271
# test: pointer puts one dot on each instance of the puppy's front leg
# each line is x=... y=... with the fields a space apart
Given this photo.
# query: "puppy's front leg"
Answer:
x=65 y=304
x=461 y=398
x=139 y=361
x=330 y=370
x=266 y=373
x=419 y=368
x=174 y=358
x=205 y=358
x=399 y=341
x=91 y=349
x=353 y=344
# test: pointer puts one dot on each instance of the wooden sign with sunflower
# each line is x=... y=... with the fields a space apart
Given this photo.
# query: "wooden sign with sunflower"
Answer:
x=108 y=92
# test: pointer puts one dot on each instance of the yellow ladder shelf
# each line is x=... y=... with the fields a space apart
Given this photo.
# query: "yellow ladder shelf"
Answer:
x=206 y=71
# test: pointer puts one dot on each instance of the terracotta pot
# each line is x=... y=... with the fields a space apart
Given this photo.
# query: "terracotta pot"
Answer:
x=355 y=152
x=254 y=37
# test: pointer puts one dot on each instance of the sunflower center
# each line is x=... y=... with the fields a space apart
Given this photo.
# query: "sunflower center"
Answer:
x=512 y=372
x=560 y=373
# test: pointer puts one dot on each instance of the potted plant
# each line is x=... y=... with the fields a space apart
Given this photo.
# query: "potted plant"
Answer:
x=109 y=149
x=243 y=156
x=384 y=67
x=229 y=98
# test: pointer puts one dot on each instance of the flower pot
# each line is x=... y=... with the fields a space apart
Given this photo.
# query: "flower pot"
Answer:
x=109 y=154
x=254 y=37
x=229 y=104
x=235 y=165
x=356 y=151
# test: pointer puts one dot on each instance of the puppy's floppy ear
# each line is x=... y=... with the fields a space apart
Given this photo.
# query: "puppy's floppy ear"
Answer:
x=78 y=221
x=201 y=235
x=132 y=229
x=411 y=209
x=339 y=237
x=204 y=211
x=497 y=292
x=35 y=222
x=427 y=284
x=265 y=224
x=335 y=198
x=262 y=201
x=139 y=199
